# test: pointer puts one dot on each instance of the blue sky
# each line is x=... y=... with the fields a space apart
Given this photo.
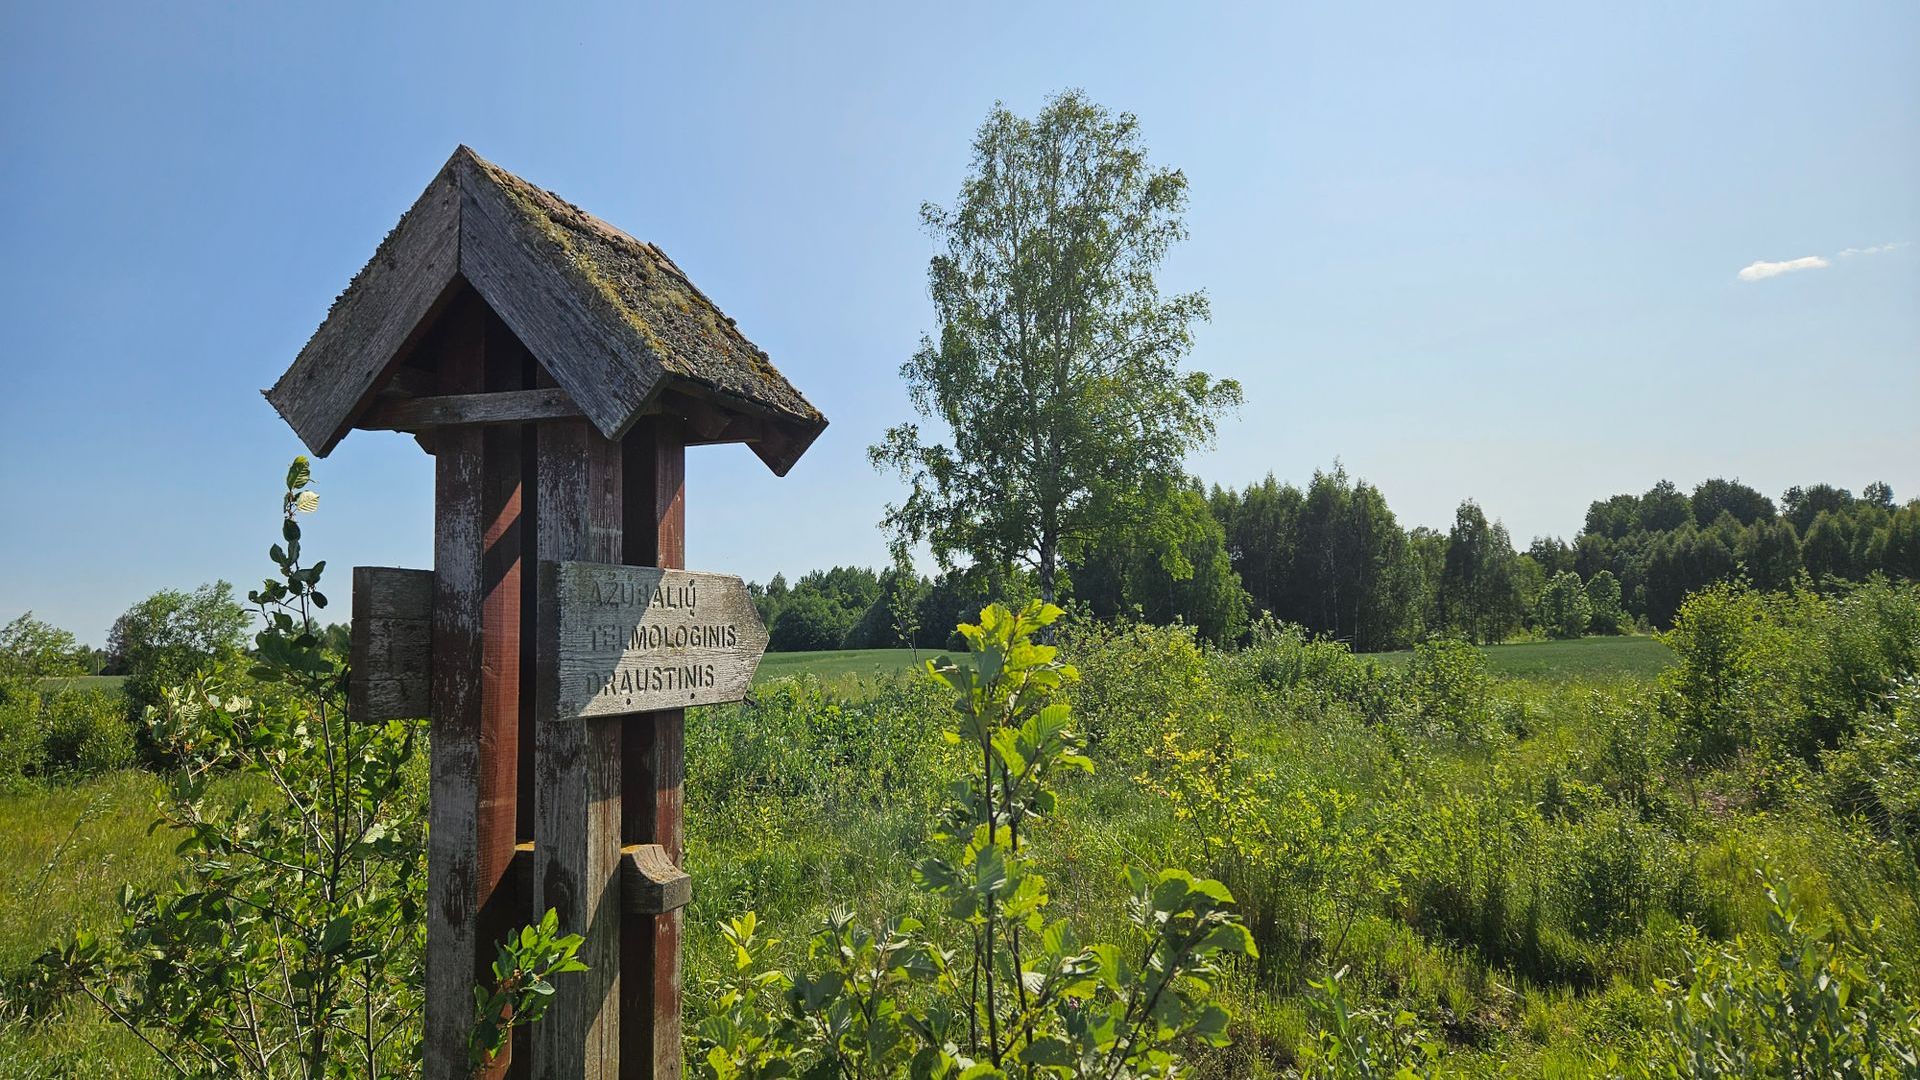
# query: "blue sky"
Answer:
x=1468 y=252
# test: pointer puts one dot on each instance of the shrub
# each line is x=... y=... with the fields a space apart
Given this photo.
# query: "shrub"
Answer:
x=1447 y=691
x=1796 y=1002
x=1134 y=677
x=1877 y=772
x=1793 y=673
x=1018 y=996
x=86 y=732
x=21 y=745
x=1364 y=1043
x=1307 y=670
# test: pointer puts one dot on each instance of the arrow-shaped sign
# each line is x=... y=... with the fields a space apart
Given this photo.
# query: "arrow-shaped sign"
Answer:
x=628 y=639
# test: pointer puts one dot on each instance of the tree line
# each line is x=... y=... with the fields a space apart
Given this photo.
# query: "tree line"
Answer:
x=1332 y=557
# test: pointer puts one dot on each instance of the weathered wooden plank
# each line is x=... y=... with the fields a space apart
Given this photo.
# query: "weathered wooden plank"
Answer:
x=641 y=639
x=577 y=768
x=390 y=645
x=386 y=309
x=476 y=685
x=655 y=746
x=650 y=883
x=453 y=945
x=501 y=407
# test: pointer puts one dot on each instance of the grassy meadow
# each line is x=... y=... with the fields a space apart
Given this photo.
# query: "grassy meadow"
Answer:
x=1492 y=847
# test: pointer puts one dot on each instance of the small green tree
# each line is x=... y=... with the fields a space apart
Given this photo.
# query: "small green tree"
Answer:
x=1604 y=613
x=1020 y=996
x=31 y=648
x=809 y=622
x=291 y=943
x=1564 y=610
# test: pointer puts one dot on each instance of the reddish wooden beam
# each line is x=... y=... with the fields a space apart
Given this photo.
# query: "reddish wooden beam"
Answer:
x=653 y=812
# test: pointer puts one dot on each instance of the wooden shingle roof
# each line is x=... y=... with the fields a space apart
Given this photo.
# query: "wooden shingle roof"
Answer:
x=620 y=328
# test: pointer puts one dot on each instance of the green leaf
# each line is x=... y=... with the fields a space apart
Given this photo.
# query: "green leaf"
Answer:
x=338 y=932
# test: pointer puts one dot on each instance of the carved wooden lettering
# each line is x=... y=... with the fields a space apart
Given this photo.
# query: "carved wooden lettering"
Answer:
x=639 y=639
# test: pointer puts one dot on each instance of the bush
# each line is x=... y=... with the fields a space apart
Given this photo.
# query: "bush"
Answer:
x=1027 y=1000
x=86 y=732
x=21 y=746
x=1797 y=1002
x=1447 y=691
x=1307 y=670
x=1793 y=674
x=1877 y=772
x=1134 y=676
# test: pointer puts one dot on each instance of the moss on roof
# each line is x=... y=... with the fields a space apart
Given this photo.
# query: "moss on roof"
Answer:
x=686 y=332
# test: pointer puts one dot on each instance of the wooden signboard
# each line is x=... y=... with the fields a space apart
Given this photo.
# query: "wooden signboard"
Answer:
x=632 y=639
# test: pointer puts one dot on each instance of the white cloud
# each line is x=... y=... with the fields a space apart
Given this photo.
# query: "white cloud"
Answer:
x=1761 y=270
x=1874 y=250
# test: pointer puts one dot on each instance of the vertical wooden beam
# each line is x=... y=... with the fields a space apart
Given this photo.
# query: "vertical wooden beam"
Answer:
x=577 y=768
x=475 y=692
x=655 y=747
x=502 y=567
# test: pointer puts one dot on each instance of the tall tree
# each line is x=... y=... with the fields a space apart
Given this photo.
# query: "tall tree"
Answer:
x=1801 y=505
x=1711 y=498
x=1664 y=508
x=1056 y=366
x=1196 y=584
x=1478 y=593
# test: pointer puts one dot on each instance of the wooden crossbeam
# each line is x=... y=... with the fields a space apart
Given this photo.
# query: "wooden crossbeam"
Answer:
x=450 y=410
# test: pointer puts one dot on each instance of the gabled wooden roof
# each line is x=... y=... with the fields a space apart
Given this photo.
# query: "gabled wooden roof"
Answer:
x=611 y=318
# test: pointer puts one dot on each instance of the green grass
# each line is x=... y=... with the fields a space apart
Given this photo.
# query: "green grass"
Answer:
x=65 y=852
x=1638 y=657
x=84 y=682
x=837 y=664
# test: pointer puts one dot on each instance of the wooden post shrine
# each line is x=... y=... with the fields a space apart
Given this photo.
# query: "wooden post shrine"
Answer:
x=557 y=369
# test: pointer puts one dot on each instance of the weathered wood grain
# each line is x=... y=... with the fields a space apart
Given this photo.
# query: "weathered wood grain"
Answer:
x=454 y=759
x=577 y=768
x=528 y=276
x=502 y=407
x=386 y=309
x=650 y=883
x=640 y=639
x=476 y=685
x=390 y=672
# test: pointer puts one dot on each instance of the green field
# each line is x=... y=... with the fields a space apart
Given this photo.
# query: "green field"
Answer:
x=1562 y=661
x=1553 y=661
x=837 y=664
x=1594 y=657
x=84 y=682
